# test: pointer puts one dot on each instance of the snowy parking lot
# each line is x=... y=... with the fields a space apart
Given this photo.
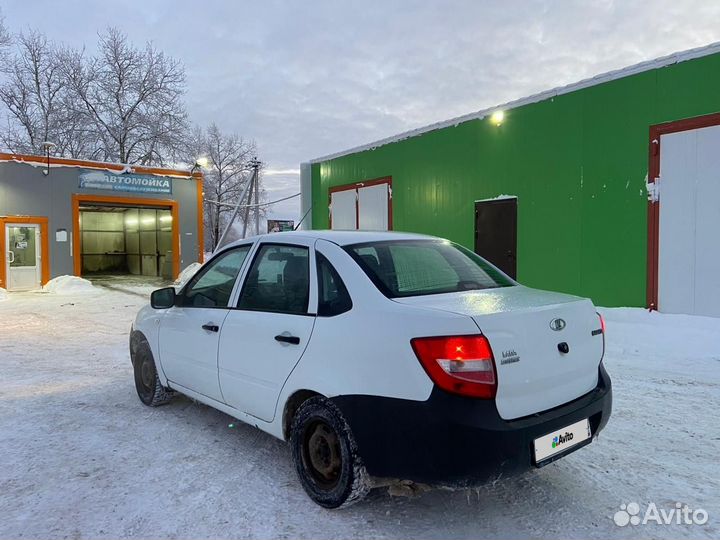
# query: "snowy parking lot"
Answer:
x=81 y=457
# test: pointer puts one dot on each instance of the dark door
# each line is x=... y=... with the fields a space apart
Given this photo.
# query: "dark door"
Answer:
x=496 y=233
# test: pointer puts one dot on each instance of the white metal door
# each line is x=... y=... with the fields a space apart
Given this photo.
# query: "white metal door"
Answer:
x=343 y=210
x=689 y=246
x=373 y=208
x=23 y=256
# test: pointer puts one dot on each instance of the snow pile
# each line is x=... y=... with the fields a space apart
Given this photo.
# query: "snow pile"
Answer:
x=187 y=274
x=68 y=285
x=4 y=295
x=668 y=341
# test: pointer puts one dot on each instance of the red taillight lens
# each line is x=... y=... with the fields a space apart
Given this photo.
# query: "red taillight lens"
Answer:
x=602 y=329
x=459 y=364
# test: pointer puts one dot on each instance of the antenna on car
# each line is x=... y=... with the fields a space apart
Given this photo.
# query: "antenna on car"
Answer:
x=303 y=219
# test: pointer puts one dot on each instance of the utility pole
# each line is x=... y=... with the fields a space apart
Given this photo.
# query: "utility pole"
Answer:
x=246 y=215
x=256 y=164
x=247 y=192
x=254 y=185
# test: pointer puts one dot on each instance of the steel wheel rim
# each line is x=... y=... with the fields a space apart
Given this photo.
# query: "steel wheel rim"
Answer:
x=322 y=455
x=146 y=377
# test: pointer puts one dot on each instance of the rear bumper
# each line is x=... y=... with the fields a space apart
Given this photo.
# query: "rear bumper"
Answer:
x=453 y=440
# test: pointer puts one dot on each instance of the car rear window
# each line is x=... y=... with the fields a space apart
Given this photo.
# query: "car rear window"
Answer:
x=418 y=267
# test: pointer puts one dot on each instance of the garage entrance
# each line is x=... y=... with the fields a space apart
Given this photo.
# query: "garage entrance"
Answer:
x=126 y=237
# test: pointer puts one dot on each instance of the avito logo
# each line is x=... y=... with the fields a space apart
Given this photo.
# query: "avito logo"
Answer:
x=557 y=441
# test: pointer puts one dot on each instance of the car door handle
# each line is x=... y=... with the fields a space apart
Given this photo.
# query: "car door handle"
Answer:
x=211 y=327
x=288 y=339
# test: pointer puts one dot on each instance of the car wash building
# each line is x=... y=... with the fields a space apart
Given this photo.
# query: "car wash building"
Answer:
x=92 y=219
x=608 y=188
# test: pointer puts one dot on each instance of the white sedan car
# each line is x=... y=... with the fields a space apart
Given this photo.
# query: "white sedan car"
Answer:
x=379 y=356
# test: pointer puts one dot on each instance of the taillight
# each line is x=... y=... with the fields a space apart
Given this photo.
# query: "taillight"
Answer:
x=458 y=364
x=602 y=329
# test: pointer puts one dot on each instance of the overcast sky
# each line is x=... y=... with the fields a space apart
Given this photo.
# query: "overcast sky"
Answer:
x=308 y=78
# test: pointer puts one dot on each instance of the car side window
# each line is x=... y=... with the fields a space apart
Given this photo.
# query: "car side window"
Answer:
x=212 y=286
x=333 y=296
x=278 y=280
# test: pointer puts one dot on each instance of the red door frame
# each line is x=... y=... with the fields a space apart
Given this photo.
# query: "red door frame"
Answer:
x=653 y=208
x=347 y=187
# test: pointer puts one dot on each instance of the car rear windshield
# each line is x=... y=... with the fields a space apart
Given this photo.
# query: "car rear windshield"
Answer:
x=418 y=267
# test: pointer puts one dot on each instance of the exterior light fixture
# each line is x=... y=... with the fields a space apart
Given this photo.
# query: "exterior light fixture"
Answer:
x=48 y=147
x=200 y=163
x=497 y=117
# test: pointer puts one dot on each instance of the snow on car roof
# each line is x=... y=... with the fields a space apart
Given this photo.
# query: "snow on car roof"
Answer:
x=344 y=238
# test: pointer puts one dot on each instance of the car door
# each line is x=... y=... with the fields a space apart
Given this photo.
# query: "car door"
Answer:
x=189 y=331
x=265 y=335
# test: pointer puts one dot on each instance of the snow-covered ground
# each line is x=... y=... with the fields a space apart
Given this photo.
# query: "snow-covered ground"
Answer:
x=80 y=456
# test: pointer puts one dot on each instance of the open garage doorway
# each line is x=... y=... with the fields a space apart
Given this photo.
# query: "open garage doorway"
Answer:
x=119 y=237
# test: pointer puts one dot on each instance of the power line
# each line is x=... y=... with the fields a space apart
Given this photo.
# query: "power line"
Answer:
x=252 y=205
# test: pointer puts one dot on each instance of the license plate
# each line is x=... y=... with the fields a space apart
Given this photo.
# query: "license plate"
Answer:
x=561 y=440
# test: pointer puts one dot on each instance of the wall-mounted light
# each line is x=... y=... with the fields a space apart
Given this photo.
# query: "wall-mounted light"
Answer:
x=48 y=147
x=497 y=117
x=200 y=163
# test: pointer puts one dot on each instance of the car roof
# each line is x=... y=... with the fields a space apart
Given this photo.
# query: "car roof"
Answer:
x=343 y=238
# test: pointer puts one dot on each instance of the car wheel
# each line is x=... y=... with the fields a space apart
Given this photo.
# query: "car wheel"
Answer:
x=147 y=383
x=326 y=456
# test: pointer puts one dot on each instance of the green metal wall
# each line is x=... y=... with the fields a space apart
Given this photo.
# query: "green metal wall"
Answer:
x=577 y=163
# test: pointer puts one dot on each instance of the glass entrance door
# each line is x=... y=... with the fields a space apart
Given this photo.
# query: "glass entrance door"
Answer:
x=23 y=256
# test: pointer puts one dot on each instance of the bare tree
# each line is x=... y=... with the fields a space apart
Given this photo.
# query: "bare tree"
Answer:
x=124 y=104
x=4 y=35
x=226 y=175
x=34 y=92
x=133 y=98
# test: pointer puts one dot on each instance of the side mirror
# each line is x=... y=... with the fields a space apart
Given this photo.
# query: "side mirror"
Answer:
x=163 y=298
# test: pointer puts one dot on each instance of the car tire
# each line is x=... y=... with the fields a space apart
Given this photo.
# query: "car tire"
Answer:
x=326 y=456
x=147 y=383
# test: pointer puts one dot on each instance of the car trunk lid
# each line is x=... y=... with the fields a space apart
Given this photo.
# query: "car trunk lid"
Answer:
x=526 y=329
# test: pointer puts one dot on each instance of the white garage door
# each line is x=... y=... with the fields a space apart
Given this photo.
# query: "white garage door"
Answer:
x=373 y=207
x=343 y=210
x=361 y=207
x=689 y=238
